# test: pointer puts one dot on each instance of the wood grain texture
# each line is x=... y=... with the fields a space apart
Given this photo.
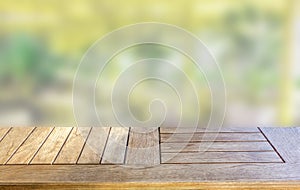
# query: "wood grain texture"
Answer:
x=143 y=147
x=28 y=149
x=278 y=185
x=3 y=132
x=94 y=147
x=189 y=172
x=115 y=149
x=201 y=130
x=71 y=150
x=216 y=146
x=52 y=146
x=12 y=141
x=220 y=157
x=61 y=174
x=212 y=137
x=286 y=141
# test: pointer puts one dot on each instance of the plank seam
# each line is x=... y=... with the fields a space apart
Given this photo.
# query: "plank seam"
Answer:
x=195 y=141
x=207 y=132
x=104 y=148
x=40 y=146
x=127 y=143
x=20 y=145
x=271 y=145
x=221 y=163
x=6 y=133
x=159 y=145
x=220 y=151
x=62 y=146
x=83 y=145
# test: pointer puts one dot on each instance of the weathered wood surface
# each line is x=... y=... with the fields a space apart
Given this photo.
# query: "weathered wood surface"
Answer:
x=94 y=146
x=52 y=145
x=286 y=141
x=143 y=147
x=70 y=152
x=30 y=147
x=3 y=132
x=201 y=130
x=115 y=156
x=115 y=150
x=212 y=137
x=216 y=146
x=220 y=157
x=11 y=142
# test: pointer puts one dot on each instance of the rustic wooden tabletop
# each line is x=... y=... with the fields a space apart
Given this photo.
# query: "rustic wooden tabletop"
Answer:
x=116 y=157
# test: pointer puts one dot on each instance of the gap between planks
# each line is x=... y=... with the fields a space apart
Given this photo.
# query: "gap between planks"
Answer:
x=71 y=153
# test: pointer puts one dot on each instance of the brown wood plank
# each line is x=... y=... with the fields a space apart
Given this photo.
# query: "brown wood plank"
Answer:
x=245 y=185
x=220 y=157
x=98 y=174
x=216 y=146
x=286 y=141
x=52 y=146
x=12 y=141
x=252 y=167
x=94 y=147
x=201 y=130
x=3 y=132
x=211 y=137
x=71 y=150
x=115 y=149
x=28 y=149
x=143 y=147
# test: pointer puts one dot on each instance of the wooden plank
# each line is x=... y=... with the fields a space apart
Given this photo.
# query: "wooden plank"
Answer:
x=115 y=149
x=166 y=175
x=28 y=149
x=143 y=147
x=201 y=130
x=211 y=137
x=286 y=141
x=98 y=174
x=245 y=185
x=216 y=146
x=3 y=132
x=94 y=147
x=220 y=157
x=52 y=146
x=71 y=150
x=12 y=141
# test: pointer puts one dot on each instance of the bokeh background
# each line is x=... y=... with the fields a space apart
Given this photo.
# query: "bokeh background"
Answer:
x=256 y=43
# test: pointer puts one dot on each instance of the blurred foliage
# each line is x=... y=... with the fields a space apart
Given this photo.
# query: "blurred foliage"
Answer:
x=26 y=60
x=41 y=43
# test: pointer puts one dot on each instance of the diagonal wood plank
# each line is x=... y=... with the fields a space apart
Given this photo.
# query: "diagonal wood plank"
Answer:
x=216 y=146
x=220 y=157
x=27 y=150
x=3 y=132
x=12 y=141
x=115 y=149
x=143 y=147
x=94 y=147
x=286 y=141
x=212 y=137
x=201 y=130
x=73 y=146
x=52 y=146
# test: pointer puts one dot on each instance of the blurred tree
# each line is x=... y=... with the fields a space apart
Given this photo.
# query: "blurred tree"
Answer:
x=27 y=68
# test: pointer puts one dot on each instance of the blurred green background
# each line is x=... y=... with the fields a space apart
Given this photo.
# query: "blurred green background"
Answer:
x=255 y=42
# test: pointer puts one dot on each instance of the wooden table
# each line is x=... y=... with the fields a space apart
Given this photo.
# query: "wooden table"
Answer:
x=117 y=157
